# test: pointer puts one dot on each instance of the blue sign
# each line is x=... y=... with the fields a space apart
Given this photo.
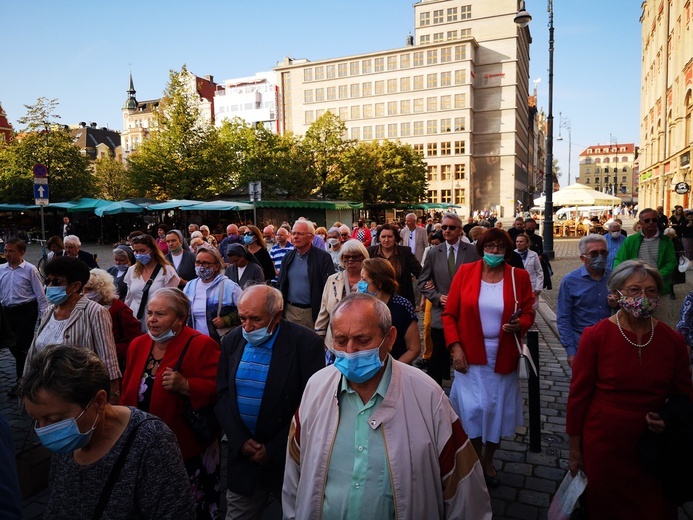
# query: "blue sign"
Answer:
x=40 y=191
x=40 y=170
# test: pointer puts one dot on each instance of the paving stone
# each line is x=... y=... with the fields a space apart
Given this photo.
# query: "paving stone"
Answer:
x=522 y=511
x=556 y=474
x=502 y=492
x=541 y=484
x=514 y=446
x=513 y=480
x=518 y=468
x=535 y=498
x=510 y=456
x=542 y=459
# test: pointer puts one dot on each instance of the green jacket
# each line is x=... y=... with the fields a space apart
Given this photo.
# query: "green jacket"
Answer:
x=666 y=260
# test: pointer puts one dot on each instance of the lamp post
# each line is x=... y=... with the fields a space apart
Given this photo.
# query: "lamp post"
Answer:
x=522 y=19
x=565 y=123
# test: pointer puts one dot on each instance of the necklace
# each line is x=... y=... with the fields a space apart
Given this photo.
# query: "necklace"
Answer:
x=637 y=345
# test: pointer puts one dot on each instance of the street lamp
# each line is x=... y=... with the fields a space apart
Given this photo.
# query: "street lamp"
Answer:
x=565 y=123
x=522 y=19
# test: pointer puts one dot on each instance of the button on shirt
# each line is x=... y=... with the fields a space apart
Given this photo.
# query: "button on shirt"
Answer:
x=21 y=285
x=582 y=302
x=358 y=478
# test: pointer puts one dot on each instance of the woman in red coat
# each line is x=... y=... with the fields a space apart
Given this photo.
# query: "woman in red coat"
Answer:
x=151 y=384
x=625 y=369
x=480 y=327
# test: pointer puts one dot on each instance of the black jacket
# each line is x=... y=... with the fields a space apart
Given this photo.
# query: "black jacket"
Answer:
x=410 y=267
x=120 y=284
x=186 y=269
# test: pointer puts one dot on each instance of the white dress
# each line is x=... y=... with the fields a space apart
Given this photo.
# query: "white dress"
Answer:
x=488 y=404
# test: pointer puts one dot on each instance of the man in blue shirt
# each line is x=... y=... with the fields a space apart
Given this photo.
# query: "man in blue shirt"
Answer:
x=614 y=241
x=583 y=297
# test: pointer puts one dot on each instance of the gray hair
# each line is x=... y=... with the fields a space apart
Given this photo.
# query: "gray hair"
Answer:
x=646 y=210
x=382 y=315
x=103 y=283
x=274 y=301
x=74 y=374
x=611 y=225
x=453 y=216
x=310 y=228
x=73 y=239
x=211 y=250
x=629 y=268
x=176 y=299
x=588 y=239
x=411 y=215
x=352 y=247
x=344 y=229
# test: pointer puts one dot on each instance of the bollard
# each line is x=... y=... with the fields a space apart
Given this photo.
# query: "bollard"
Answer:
x=533 y=394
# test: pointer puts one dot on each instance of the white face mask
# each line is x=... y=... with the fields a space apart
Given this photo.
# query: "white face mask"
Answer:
x=615 y=234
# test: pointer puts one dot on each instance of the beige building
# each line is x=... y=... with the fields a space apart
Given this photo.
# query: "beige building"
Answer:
x=457 y=92
x=610 y=168
x=666 y=104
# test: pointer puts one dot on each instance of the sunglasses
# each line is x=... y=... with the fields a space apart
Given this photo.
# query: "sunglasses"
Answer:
x=248 y=234
x=595 y=254
x=55 y=281
x=445 y=227
x=355 y=258
x=649 y=221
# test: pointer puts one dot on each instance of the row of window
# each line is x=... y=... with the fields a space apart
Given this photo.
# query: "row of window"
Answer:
x=588 y=160
x=393 y=108
x=438 y=16
x=381 y=87
x=606 y=179
x=395 y=130
x=440 y=37
x=606 y=169
x=371 y=65
x=445 y=196
x=446 y=172
x=608 y=150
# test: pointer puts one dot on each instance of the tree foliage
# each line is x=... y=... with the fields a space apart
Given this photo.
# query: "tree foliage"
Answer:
x=326 y=142
x=112 y=180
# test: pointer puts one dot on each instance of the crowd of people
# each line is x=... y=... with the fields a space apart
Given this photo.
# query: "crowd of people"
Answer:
x=299 y=347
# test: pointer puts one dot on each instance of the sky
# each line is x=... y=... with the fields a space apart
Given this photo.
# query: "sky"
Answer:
x=81 y=52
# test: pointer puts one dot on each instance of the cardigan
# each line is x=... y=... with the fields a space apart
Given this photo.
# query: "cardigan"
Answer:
x=199 y=367
x=462 y=321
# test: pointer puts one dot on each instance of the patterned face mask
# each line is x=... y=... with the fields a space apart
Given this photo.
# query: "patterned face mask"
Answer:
x=638 y=306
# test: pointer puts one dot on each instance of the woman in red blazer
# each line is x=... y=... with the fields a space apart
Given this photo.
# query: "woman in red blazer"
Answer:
x=151 y=384
x=479 y=330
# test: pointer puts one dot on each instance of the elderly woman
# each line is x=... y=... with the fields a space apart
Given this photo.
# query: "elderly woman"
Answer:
x=378 y=279
x=338 y=286
x=65 y=390
x=101 y=289
x=180 y=257
x=402 y=259
x=207 y=236
x=213 y=297
x=150 y=272
x=489 y=307
x=122 y=260
x=254 y=241
x=532 y=264
x=244 y=269
x=73 y=319
x=626 y=368
x=151 y=384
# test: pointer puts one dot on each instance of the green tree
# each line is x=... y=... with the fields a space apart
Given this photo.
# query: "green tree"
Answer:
x=183 y=157
x=42 y=141
x=326 y=142
x=112 y=180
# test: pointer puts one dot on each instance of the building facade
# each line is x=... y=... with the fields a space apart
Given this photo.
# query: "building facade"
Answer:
x=457 y=92
x=666 y=106
x=97 y=143
x=253 y=99
x=5 y=127
x=610 y=168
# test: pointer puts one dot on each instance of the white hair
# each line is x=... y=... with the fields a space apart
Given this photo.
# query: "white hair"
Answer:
x=72 y=239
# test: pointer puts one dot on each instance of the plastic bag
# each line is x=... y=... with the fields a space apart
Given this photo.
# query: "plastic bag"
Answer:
x=566 y=497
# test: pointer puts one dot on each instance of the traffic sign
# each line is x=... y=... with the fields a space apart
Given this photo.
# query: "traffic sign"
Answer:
x=41 y=202
x=41 y=180
x=41 y=191
x=40 y=170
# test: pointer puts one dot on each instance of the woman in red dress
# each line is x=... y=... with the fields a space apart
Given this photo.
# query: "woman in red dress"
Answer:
x=626 y=368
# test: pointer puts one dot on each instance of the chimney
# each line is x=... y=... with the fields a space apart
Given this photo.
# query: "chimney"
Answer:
x=93 y=125
x=410 y=40
x=209 y=78
x=82 y=124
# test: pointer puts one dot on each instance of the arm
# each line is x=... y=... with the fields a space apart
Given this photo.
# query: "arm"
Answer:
x=292 y=469
x=539 y=275
x=39 y=291
x=413 y=264
x=564 y=312
x=204 y=362
x=102 y=339
x=450 y=319
x=431 y=294
x=172 y=278
x=323 y=319
x=413 y=342
x=667 y=260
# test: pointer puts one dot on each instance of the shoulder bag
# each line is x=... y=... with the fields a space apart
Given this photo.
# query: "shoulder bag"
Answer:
x=145 y=292
x=525 y=363
x=222 y=331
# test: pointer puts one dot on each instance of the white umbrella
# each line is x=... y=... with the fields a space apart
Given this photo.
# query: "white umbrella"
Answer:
x=580 y=195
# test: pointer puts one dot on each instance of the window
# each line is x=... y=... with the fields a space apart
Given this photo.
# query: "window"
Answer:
x=308 y=96
x=445 y=196
x=342 y=70
x=625 y=169
x=366 y=66
x=460 y=172
x=354 y=68
x=418 y=105
x=445 y=127
x=424 y=19
x=460 y=100
x=405 y=106
x=624 y=159
x=445 y=79
x=460 y=147
x=367 y=89
x=319 y=94
x=431 y=104
x=624 y=179
x=452 y=35
x=418 y=59
x=391 y=86
x=319 y=73
x=331 y=93
x=433 y=196
x=597 y=170
x=452 y=14
x=438 y=37
x=459 y=124
x=431 y=80
x=460 y=196
x=465 y=12
x=460 y=52
x=606 y=170
x=330 y=71
x=404 y=61
x=392 y=130
x=465 y=33
x=445 y=149
x=379 y=109
x=587 y=180
x=310 y=116
x=380 y=131
x=356 y=112
x=344 y=113
x=392 y=108
x=405 y=84
x=445 y=102
x=379 y=87
x=438 y=16
x=392 y=63
x=615 y=159
x=432 y=57
x=367 y=111
x=418 y=148
x=355 y=90
x=368 y=133
x=424 y=39
x=379 y=64
x=342 y=91
x=405 y=129
x=307 y=74
x=432 y=128
x=432 y=173
x=356 y=133
x=418 y=82
x=596 y=180
x=588 y=171
x=418 y=127
x=445 y=171
x=460 y=77
x=446 y=55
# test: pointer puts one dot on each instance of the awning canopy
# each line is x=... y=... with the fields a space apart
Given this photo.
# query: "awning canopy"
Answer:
x=579 y=195
x=14 y=207
x=173 y=204
x=87 y=204
x=115 y=208
x=219 y=205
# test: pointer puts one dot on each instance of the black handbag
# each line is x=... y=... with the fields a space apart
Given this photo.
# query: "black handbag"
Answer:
x=202 y=421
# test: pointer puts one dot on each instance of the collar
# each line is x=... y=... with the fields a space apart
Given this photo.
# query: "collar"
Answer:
x=586 y=274
x=656 y=235
x=382 y=386
x=22 y=265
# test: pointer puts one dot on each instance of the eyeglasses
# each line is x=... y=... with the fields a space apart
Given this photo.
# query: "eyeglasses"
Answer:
x=595 y=254
x=204 y=264
x=499 y=247
x=354 y=258
x=55 y=281
x=649 y=221
x=248 y=234
x=445 y=227
x=650 y=292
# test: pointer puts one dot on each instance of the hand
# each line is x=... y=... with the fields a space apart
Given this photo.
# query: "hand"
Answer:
x=174 y=382
x=429 y=285
x=218 y=322
x=250 y=447
x=612 y=300
x=575 y=462
x=512 y=326
x=571 y=360
x=655 y=422
x=443 y=299
x=459 y=359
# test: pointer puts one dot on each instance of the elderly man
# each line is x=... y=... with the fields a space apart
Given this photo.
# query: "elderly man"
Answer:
x=23 y=301
x=269 y=236
x=280 y=249
x=471 y=222
x=264 y=367
x=303 y=274
x=653 y=247
x=414 y=236
x=232 y=237
x=72 y=248
x=344 y=233
x=192 y=228
x=373 y=438
x=614 y=241
x=519 y=227
x=583 y=297
x=439 y=268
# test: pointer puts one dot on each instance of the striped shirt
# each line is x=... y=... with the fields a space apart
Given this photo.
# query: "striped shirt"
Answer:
x=649 y=250
x=277 y=254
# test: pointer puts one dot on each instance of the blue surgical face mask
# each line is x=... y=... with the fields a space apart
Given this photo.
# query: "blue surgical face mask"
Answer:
x=359 y=367
x=493 y=260
x=56 y=295
x=257 y=336
x=143 y=259
x=362 y=287
x=204 y=273
x=64 y=436
x=163 y=337
x=122 y=267
x=248 y=239
x=233 y=236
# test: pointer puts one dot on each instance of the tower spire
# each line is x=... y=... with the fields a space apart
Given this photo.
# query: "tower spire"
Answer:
x=131 y=102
